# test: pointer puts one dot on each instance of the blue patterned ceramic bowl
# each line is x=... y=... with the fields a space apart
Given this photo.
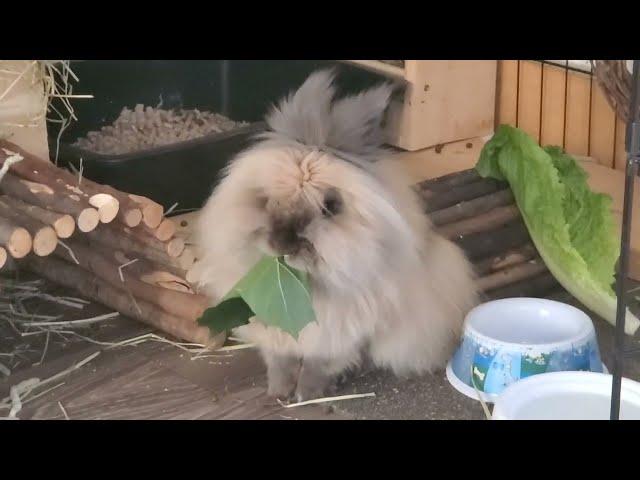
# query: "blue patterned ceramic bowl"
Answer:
x=510 y=339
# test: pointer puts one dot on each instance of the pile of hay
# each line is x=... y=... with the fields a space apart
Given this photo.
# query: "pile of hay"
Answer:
x=147 y=127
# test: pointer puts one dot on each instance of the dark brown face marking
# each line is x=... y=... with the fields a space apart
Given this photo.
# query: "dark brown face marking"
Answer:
x=286 y=233
x=332 y=204
x=260 y=199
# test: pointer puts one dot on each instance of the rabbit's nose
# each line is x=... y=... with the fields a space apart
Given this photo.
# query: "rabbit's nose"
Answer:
x=285 y=236
x=285 y=241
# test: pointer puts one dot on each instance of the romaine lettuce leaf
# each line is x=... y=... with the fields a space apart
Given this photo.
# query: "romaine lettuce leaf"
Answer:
x=571 y=226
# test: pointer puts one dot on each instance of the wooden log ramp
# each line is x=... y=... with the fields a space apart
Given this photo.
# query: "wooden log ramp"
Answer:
x=481 y=217
x=109 y=202
x=112 y=247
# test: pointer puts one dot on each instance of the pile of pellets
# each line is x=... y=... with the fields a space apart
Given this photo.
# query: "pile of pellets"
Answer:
x=147 y=127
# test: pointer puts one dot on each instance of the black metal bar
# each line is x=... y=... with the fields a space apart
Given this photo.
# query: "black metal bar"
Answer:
x=567 y=67
x=591 y=80
x=518 y=94
x=632 y=140
x=633 y=159
x=621 y=288
x=566 y=98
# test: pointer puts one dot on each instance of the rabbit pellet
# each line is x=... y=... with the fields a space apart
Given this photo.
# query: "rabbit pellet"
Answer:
x=147 y=127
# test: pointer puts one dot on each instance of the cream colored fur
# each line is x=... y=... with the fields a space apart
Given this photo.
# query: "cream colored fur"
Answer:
x=383 y=283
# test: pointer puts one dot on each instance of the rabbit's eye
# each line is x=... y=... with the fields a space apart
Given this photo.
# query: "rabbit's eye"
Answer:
x=332 y=203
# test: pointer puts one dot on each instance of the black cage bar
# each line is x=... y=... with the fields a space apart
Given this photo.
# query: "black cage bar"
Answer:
x=633 y=160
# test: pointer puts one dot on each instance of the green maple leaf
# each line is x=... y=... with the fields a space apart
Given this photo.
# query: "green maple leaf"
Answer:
x=275 y=293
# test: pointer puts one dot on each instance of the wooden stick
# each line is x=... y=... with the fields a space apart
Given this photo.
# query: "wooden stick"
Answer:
x=43 y=196
x=488 y=221
x=129 y=213
x=152 y=212
x=64 y=225
x=114 y=238
x=15 y=239
x=511 y=275
x=143 y=267
x=160 y=275
x=44 y=238
x=131 y=217
x=63 y=183
x=471 y=208
x=486 y=244
x=107 y=205
x=96 y=289
x=531 y=287
x=3 y=257
x=42 y=171
x=505 y=259
x=173 y=248
x=185 y=305
x=454 y=179
x=459 y=194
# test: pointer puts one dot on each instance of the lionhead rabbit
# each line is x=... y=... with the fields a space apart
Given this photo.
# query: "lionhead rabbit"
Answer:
x=385 y=287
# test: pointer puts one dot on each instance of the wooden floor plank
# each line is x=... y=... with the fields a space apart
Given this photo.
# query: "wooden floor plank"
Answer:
x=155 y=381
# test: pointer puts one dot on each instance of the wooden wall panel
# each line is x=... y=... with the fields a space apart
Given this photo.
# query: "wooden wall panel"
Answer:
x=530 y=98
x=553 y=97
x=559 y=106
x=578 y=105
x=507 y=92
x=620 y=151
x=603 y=128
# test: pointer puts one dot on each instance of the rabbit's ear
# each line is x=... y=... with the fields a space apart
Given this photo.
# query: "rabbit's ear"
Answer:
x=356 y=121
x=305 y=115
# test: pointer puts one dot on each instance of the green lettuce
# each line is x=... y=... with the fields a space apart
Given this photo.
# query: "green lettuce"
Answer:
x=272 y=291
x=571 y=226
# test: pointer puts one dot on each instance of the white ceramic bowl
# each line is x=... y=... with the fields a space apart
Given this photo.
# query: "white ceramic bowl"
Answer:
x=566 y=396
x=510 y=339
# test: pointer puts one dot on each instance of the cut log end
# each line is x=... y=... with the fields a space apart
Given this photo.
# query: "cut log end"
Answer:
x=152 y=215
x=152 y=212
x=88 y=220
x=166 y=280
x=166 y=230
x=132 y=217
x=45 y=241
x=64 y=226
x=107 y=205
x=19 y=243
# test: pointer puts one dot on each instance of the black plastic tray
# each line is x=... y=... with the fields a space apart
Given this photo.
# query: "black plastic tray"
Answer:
x=182 y=173
x=185 y=172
